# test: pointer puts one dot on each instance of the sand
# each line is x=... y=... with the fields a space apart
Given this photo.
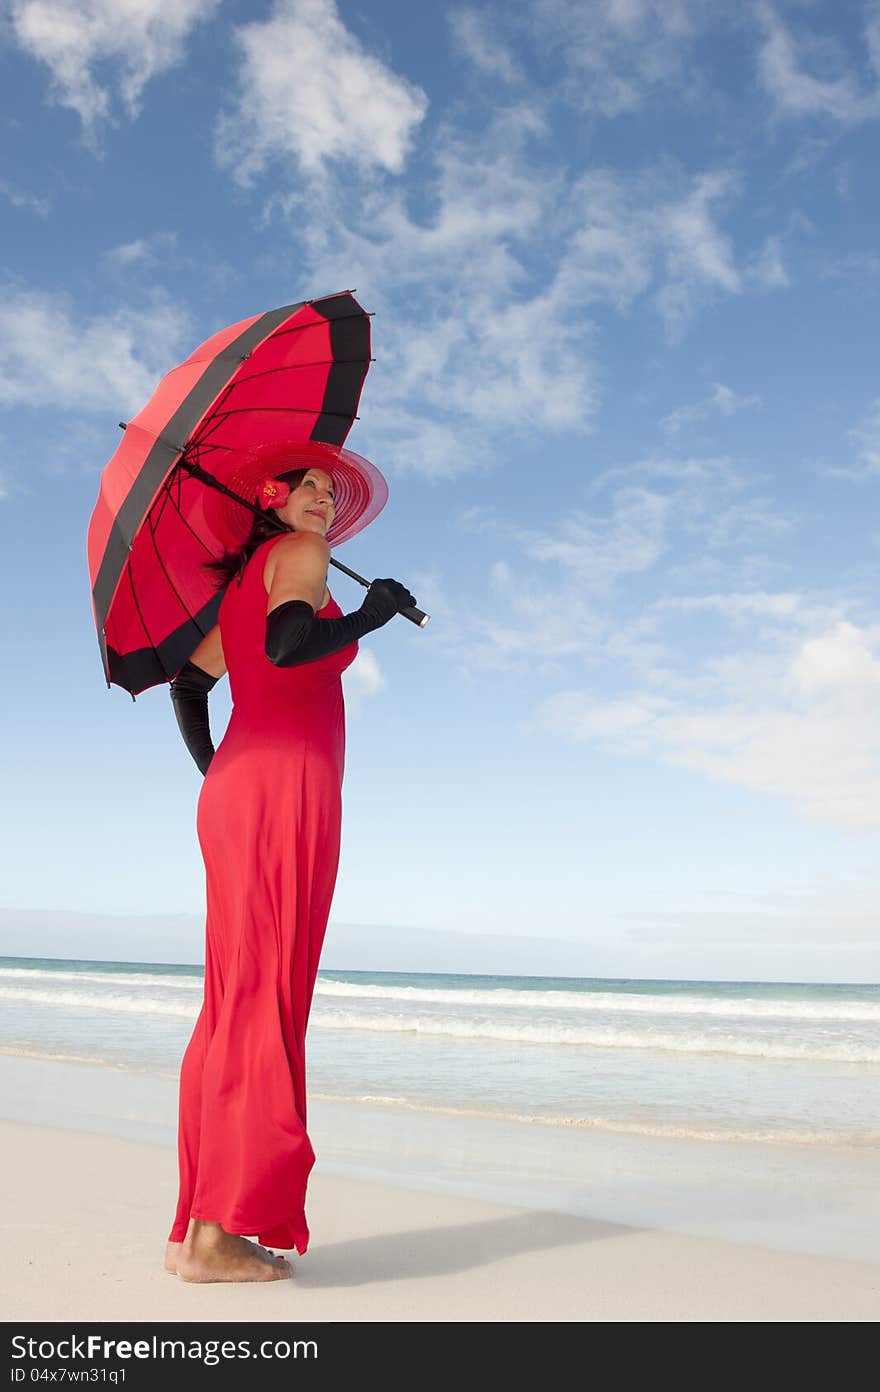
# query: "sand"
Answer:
x=86 y=1217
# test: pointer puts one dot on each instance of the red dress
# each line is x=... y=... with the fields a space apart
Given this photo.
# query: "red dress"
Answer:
x=269 y=825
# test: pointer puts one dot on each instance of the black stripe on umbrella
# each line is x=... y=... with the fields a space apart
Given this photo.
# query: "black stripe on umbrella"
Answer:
x=350 y=342
x=145 y=667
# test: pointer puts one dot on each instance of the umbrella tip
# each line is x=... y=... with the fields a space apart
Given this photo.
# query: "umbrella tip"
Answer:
x=123 y=425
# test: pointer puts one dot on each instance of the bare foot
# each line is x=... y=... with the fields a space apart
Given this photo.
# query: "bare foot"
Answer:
x=209 y=1253
x=173 y=1250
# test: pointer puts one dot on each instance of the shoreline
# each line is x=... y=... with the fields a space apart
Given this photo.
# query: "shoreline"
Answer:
x=856 y=1141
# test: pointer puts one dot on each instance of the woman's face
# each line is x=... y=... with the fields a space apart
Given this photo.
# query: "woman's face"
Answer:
x=311 y=506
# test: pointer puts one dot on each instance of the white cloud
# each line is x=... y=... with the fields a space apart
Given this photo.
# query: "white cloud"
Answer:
x=867 y=437
x=715 y=507
x=623 y=588
x=738 y=606
x=130 y=253
x=474 y=330
x=477 y=341
x=600 y=550
x=309 y=93
x=699 y=255
x=615 y=53
x=767 y=269
x=654 y=232
x=20 y=198
x=689 y=472
x=692 y=236
x=858 y=267
x=610 y=255
x=486 y=268
x=500 y=576
x=548 y=621
x=476 y=36
x=51 y=356
x=838 y=661
x=808 y=75
x=362 y=680
x=722 y=399
x=144 y=251
x=132 y=41
x=798 y=721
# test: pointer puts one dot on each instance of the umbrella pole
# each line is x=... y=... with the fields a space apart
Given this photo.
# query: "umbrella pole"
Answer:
x=416 y=616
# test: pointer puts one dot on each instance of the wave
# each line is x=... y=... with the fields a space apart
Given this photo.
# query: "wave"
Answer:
x=616 y=1002
x=114 y=1001
x=597 y=1037
x=119 y=1065
x=508 y=1031
x=191 y=983
x=860 y=1139
x=850 y=1139
x=621 y=1001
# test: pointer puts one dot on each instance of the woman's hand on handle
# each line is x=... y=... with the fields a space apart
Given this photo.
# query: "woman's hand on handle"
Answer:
x=385 y=598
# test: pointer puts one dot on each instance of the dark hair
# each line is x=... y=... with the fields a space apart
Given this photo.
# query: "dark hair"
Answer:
x=230 y=566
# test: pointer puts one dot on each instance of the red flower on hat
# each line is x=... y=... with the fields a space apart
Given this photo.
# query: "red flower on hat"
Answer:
x=274 y=493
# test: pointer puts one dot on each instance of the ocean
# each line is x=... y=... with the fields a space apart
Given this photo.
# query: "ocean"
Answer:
x=755 y=1062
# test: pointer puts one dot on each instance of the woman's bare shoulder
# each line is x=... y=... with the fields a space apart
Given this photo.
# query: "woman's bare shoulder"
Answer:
x=296 y=543
x=289 y=552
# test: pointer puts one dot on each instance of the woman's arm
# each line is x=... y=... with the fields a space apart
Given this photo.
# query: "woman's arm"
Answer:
x=189 y=692
x=296 y=585
x=209 y=654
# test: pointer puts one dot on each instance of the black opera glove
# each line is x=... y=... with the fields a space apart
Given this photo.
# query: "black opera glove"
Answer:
x=295 y=636
x=189 y=692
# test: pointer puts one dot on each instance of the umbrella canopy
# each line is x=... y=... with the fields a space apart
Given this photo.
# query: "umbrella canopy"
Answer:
x=285 y=377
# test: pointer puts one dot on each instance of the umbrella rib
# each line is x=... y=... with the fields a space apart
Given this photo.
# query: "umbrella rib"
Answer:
x=165 y=491
x=138 y=607
x=183 y=519
x=209 y=424
x=202 y=447
x=218 y=418
x=321 y=323
x=296 y=367
x=177 y=594
x=296 y=410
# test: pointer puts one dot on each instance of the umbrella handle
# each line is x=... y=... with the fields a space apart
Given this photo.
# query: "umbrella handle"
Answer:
x=416 y=616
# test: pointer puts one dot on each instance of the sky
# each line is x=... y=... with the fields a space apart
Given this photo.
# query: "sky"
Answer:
x=623 y=263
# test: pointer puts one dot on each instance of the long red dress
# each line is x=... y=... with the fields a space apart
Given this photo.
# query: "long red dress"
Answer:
x=269 y=826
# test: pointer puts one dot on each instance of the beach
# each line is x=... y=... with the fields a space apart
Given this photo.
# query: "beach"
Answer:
x=405 y=1231
x=488 y=1148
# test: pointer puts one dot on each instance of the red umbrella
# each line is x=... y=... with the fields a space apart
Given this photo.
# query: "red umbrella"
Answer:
x=291 y=375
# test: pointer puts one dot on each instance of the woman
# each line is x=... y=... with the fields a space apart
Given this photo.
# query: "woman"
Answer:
x=269 y=822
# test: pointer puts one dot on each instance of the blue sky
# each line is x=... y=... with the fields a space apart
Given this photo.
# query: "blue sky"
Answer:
x=624 y=268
